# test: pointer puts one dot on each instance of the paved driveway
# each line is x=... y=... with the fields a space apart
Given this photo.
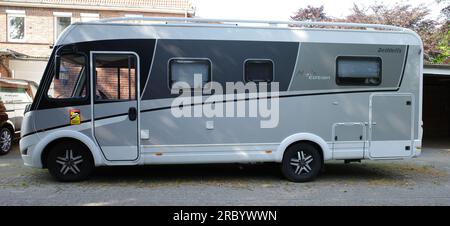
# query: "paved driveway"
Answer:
x=422 y=181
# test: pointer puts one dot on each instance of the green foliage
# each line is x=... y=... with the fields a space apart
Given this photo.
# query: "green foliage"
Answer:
x=435 y=34
x=444 y=48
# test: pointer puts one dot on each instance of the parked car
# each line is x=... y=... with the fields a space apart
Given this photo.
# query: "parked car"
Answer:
x=5 y=133
x=15 y=95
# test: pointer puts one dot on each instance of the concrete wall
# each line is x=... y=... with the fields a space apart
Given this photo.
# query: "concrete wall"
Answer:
x=29 y=70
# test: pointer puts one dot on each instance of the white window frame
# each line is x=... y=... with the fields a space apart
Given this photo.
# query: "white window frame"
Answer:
x=57 y=15
x=136 y=16
x=210 y=75
x=89 y=16
x=16 y=13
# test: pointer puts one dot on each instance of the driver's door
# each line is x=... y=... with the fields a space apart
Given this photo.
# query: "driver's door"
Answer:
x=115 y=104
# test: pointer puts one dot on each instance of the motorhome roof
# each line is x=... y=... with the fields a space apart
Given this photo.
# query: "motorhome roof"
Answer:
x=247 y=30
x=225 y=22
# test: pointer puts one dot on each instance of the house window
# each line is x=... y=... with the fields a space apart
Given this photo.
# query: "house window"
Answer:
x=358 y=71
x=187 y=70
x=16 y=25
x=86 y=17
x=62 y=21
x=258 y=70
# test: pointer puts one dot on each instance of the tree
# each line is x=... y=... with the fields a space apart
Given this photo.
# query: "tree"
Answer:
x=446 y=10
x=443 y=46
x=310 y=13
x=435 y=35
x=407 y=16
x=444 y=35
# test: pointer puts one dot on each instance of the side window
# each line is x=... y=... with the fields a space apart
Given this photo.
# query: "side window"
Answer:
x=22 y=97
x=258 y=71
x=358 y=71
x=115 y=77
x=185 y=70
x=14 y=92
x=70 y=83
x=7 y=94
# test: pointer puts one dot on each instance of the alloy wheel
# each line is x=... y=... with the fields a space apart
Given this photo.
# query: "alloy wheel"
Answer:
x=69 y=163
x=5 y=140
x=301 y=163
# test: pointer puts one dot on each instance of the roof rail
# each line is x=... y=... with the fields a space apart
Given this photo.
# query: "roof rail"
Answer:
x=336 y=25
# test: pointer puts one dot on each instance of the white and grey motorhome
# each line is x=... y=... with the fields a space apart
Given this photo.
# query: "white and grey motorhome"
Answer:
x=346 y=92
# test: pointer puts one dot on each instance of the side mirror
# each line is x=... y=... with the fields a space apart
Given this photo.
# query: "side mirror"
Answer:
x=27 y=108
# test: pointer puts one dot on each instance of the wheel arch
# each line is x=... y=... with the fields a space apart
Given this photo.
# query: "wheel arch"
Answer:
x=44 y=146
x=304 y=137
x=8 y=124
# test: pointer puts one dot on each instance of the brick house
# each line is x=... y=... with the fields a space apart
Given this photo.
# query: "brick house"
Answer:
x=28 y=28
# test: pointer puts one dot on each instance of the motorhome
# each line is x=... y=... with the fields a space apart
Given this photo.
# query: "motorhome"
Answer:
x=120 y=92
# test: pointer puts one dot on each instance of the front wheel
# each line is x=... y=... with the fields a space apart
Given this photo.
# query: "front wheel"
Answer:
x=70 y=162
x=6 y=138
x=302 y=162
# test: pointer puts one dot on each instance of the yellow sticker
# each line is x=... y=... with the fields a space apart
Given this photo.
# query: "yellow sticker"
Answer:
x=75 y=117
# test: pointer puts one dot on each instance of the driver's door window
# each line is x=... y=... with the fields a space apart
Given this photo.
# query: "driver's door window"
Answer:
x=70 y=82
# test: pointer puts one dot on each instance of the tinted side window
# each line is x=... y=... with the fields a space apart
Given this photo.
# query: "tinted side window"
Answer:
x=259 y=71
x=358 y=71
x=186 y=70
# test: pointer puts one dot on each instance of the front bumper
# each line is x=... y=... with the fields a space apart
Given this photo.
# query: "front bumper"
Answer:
x=27 y=149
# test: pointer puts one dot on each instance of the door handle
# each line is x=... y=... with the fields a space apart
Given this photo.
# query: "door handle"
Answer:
x=132 y=114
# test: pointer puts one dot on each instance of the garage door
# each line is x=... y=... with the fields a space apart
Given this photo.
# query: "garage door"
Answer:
x=28 y=70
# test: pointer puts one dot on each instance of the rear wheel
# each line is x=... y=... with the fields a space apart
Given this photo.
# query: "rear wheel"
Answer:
x=70 y=162
x=6 y=138
x=302 y=162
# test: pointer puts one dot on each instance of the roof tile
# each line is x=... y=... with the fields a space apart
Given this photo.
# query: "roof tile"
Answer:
x=158 y=4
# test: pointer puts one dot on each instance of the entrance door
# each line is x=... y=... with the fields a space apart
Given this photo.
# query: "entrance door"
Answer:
x=115 y=82
x=391 y=126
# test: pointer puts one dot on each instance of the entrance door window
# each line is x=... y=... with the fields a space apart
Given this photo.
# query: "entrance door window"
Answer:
x=115 y=77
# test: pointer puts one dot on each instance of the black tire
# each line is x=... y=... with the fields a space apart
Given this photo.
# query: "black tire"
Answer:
x=302 y=162
x=70 y=162
x=6 y=139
